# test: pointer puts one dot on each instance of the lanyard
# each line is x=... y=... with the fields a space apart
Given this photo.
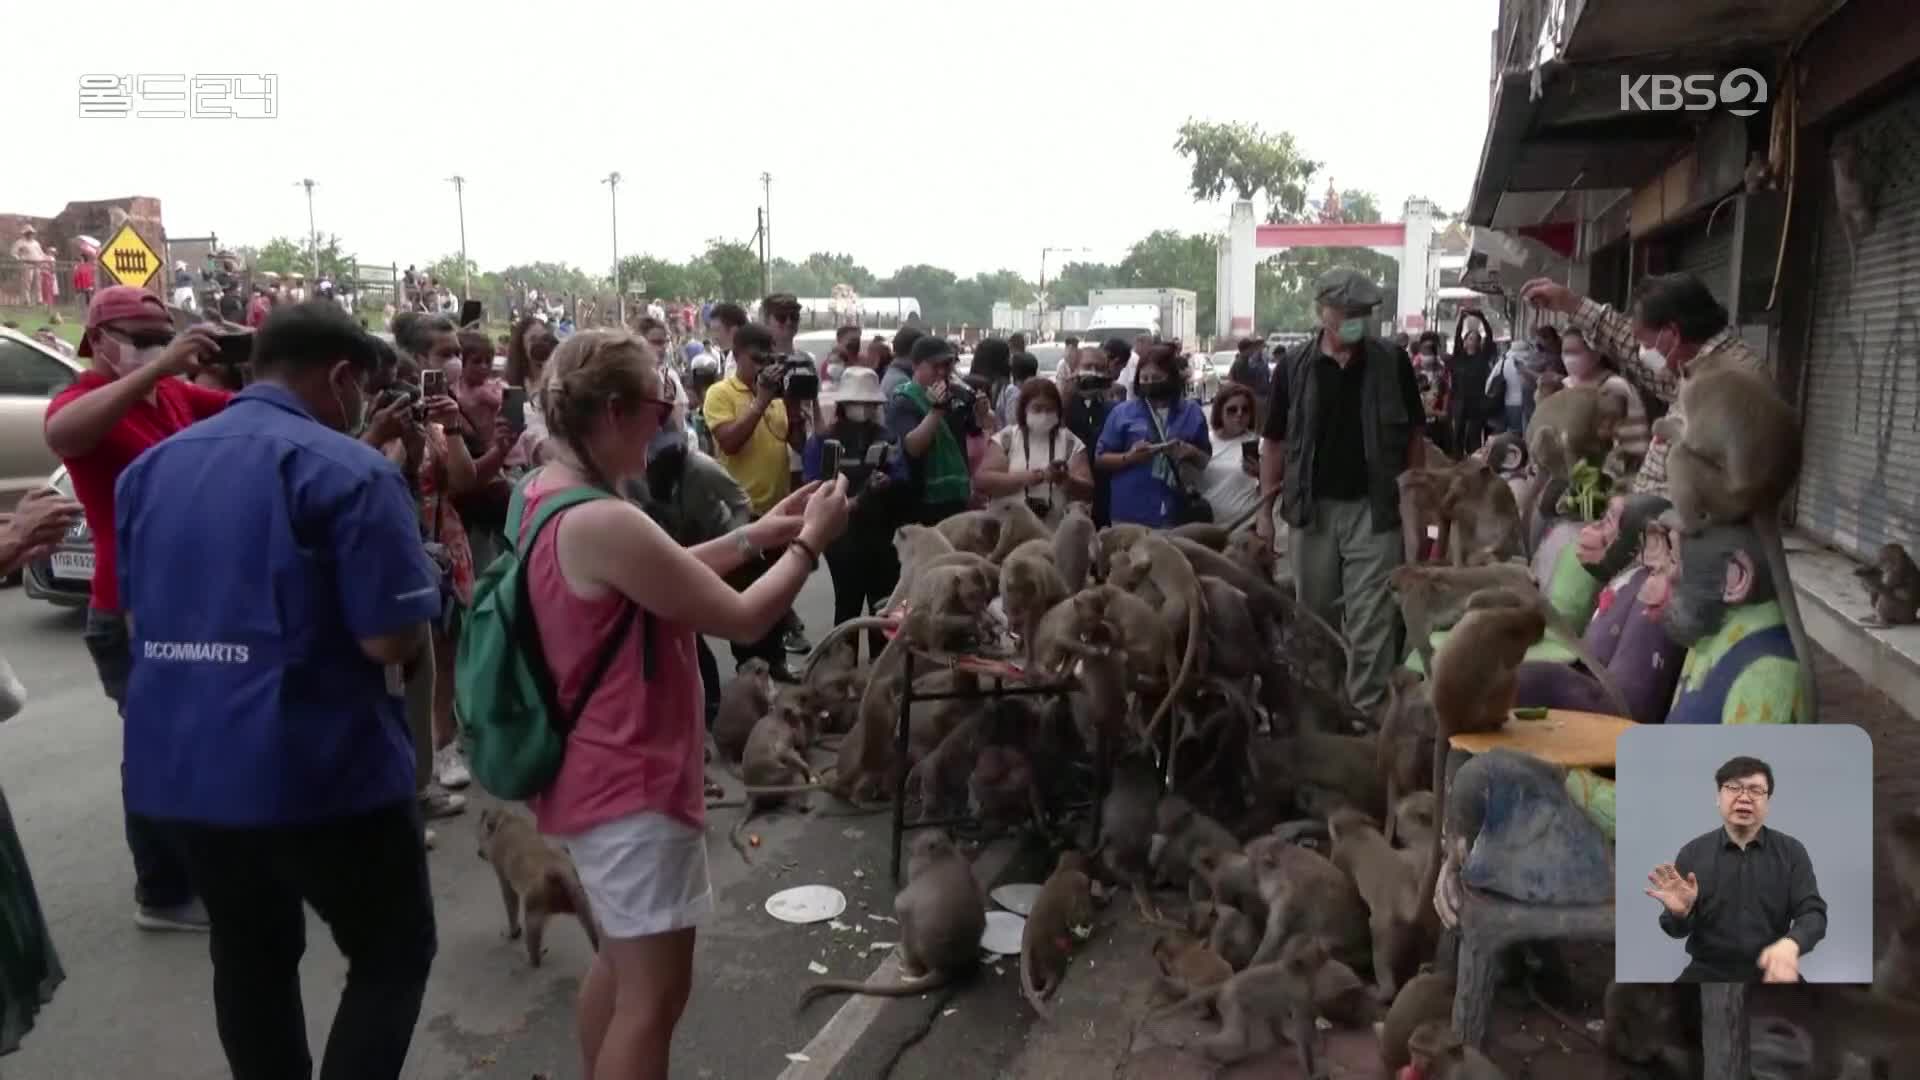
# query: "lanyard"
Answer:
x=1026 y=454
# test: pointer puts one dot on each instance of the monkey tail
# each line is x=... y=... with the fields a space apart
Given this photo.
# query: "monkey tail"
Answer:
x=851 y=626
x=569 y=885
x=1767 y=524
x=1196 y=643
x=1030 y=988
x=1431 y=876
x=905 y=988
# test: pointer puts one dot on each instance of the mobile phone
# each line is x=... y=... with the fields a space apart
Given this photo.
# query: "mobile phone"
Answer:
x=830 y=452
x=1250 y=452
x=513 y=408
x=236 y=348
x=433 y=383
x=470 y=312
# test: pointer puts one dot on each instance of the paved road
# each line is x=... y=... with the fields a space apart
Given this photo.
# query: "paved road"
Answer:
x=138 y=1004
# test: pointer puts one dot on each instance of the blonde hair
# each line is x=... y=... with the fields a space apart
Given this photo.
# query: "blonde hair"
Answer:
x=590 y=370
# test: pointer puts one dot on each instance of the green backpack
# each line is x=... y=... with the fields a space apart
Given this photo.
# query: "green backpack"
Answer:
x=513 y=727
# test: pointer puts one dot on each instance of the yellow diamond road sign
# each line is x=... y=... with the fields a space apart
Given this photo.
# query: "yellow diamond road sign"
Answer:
x=128 y=258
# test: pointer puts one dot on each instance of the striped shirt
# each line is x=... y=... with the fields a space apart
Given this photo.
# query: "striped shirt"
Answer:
x=1610 y=332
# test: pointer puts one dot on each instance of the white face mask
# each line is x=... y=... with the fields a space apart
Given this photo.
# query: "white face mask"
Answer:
x=1579 y=365
x=1042 y=423
x=128 y=359
x=858 y=414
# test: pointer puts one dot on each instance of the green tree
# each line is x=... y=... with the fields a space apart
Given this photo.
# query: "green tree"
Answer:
x=832 y=268
x=551 y=278
x=1250 y=162
x=448 y=269
x=665 y=279
x=932 y=286
x=1076 y=280
x=283 y=255
x=798 y=279
x=735 y=269
x=1168 y=259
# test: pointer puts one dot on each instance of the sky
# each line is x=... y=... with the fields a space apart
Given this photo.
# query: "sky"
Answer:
x=969 y=136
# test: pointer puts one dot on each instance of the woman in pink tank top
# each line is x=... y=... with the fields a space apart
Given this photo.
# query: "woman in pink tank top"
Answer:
x=628 y=799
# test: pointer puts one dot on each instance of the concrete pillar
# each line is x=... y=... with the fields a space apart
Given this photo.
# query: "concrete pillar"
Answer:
x=1418 y=215
x=1240 y=242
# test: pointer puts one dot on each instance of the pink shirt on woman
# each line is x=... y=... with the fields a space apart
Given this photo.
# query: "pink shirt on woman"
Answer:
x=639 y=745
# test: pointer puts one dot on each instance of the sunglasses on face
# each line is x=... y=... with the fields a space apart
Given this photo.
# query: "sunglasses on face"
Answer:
x=1235 y=410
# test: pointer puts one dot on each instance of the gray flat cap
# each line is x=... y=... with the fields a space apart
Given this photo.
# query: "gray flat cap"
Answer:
x=1348 y=289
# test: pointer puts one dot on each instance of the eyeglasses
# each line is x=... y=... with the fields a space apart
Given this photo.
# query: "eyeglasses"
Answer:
x=1752 y=791
x=1235 y=410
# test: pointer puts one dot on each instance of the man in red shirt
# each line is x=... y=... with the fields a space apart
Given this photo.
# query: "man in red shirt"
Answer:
x=129 y=401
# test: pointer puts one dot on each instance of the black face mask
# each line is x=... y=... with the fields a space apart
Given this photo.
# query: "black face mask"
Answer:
x=1164 y=390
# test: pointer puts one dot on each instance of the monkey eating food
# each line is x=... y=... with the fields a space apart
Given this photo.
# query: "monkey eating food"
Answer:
x=1061 y=916
x=941 y=919
x=535 y=880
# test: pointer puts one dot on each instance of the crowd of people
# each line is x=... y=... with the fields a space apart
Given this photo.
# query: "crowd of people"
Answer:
x=276 y=751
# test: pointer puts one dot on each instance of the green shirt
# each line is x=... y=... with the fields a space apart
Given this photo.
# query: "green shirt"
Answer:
x=1757 y=694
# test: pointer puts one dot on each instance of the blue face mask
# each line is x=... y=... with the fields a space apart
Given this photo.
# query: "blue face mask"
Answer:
x=1352 y=330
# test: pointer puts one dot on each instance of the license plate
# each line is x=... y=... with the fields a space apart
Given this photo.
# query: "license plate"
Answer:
x=73 y=565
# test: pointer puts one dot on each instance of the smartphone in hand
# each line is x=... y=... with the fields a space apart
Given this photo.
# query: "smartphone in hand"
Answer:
x=830 y=453
x=433 y=383
x=513 y=408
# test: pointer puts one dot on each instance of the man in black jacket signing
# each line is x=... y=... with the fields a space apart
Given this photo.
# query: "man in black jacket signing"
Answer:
x=1743 y=896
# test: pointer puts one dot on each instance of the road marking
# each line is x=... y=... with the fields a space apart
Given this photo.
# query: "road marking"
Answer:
x=831 y=1044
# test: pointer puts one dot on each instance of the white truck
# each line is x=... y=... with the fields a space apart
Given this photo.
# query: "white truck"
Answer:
x=1170 y=314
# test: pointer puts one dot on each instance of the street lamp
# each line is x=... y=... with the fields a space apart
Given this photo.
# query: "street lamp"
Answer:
x=466 y=272
x=619 y=295
x=1042 y=297
x=313 y=238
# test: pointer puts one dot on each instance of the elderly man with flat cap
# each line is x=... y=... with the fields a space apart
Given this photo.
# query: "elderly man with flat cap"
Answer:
x=1343 y=419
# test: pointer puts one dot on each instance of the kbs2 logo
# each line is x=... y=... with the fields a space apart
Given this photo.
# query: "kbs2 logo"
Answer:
x=1741 y=92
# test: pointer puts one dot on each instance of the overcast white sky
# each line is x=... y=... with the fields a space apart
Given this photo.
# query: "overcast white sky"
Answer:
x=966 y=135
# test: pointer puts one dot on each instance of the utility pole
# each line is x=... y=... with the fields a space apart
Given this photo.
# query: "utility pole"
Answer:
x=760 y=241
x=313 y=237
x=466 y=269
x=766 y=234
x=619 y=294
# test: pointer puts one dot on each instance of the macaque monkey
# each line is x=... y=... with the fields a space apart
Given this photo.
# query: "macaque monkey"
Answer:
x=1405 y=745
x=1180 y=833
x=1389 y=886
x=1893 y=584
x=1002 y=788
x=1307 y=897
x=1073 y=544
x=1427 y=997
x=941 y=918
x=1439 y=1054
x=1030 y=586
x=1228 y=876
x=1187 y=965
x=743 y=701
x=1473 y=683
x=1127 y=817
x=1017 y=525
x=1158 y=560
x=1736 y=457
x=1062 y=915
x=975 y=531
x=916 y=545
x=773 y=768
x=536 y=881
x=1480 y=516
x=1264 y=999
x=1574 y=424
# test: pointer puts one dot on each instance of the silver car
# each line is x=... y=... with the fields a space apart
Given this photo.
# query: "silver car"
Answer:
x=30 y=375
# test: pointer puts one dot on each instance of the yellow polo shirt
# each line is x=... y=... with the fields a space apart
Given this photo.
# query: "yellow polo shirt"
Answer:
x=761 y=466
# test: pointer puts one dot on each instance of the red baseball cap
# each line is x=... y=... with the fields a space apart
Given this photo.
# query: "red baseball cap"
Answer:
x=117 y=302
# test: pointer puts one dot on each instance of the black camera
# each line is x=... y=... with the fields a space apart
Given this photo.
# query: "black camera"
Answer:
x=796 y=376
x=402 y=392
x=1092 y=384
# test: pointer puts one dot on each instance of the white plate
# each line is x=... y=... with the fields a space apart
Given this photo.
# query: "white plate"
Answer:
x=1016 y=898
x=1004 y=930
x=807 y=904
x=73 y=565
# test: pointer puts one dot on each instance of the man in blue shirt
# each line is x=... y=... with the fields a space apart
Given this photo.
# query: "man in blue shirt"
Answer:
x=264 y=722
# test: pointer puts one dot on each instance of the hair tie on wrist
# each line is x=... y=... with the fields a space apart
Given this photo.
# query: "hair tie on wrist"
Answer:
x=813 y=557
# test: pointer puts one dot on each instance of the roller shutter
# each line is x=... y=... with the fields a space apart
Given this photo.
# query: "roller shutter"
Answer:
x=1709 y=257
x=1860 y=485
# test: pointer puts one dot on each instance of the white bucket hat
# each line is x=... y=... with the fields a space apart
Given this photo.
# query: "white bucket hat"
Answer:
x=859 y=386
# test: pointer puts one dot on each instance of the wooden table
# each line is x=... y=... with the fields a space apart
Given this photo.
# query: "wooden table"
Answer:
x=1565 y=738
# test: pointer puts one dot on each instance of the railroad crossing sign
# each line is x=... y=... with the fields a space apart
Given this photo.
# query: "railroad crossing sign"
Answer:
x=128 y=259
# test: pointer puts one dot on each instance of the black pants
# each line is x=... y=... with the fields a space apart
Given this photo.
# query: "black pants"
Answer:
x=769 y=647
x=159 y=873
x=366 y=876
x=864 y=572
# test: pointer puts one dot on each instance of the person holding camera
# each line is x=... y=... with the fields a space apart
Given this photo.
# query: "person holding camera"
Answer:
x=754 y=427
x=863 y=563
x=930 y=418
x=136 y=394
x=1149 y=440
x=1034 y=459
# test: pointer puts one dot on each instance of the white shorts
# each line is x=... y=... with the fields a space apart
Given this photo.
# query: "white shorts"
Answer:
x=644 y=874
